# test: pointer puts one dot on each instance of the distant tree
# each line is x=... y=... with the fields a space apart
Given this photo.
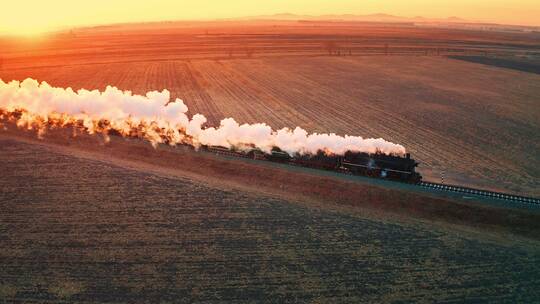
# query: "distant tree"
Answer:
x=330 y=46
x=350 y=52
x=386 y=49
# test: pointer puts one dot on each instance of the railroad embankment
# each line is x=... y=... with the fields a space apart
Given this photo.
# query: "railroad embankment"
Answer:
x=291 y=182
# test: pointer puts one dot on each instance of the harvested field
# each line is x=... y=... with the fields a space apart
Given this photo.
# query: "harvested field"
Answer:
x=79 y=229
x=478 y=124
x=475 y=122
x=230 y=40
x=87 y=221
x=397 y=200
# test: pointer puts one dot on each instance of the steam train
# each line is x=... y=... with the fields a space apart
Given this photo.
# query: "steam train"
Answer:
x=378 y=165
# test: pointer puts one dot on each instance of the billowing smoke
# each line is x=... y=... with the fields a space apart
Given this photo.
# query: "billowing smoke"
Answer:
x=157 y=119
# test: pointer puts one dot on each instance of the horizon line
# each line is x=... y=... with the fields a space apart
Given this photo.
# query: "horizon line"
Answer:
x=268 y=18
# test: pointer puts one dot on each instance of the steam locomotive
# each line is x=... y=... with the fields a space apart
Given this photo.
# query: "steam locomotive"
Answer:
x=378 y=165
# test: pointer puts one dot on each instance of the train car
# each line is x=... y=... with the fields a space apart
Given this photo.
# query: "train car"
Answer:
x=382 y=165
x=379 y=165
x=225 y=151
x=278 y=155
x=318 y=161
x=257 y=154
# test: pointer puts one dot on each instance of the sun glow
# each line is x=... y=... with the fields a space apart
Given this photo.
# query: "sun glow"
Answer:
x=34 y=16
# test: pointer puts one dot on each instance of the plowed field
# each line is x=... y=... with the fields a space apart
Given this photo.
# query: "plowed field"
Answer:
x=81 y=230
x=476 y=124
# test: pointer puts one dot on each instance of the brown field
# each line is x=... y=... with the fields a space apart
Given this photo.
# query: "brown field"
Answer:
x=86 y=222
x=82 y=221
x=476 y=123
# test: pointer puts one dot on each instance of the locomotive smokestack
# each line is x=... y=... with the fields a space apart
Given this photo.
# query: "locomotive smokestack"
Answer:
x=157 y=119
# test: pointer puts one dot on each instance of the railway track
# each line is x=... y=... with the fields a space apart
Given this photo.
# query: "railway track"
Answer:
x=481 y=193
x=423 y=184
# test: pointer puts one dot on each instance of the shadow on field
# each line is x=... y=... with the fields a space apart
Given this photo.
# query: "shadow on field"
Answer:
x=517 y=64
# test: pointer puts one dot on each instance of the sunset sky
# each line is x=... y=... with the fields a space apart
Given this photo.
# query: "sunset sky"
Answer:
x=37 y=16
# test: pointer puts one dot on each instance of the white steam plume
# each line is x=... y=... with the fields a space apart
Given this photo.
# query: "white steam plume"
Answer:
x=158 y=120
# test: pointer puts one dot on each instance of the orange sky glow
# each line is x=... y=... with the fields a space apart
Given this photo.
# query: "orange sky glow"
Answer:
x=37 y=16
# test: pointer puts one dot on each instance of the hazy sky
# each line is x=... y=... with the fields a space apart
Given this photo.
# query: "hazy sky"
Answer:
x=34 y=16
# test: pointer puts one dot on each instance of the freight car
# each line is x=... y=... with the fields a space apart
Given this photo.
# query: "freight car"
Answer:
x=379 y=165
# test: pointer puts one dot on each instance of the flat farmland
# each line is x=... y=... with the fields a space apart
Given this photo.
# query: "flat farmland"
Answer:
x=218 y=40
x=476 y=124
x=76 y=229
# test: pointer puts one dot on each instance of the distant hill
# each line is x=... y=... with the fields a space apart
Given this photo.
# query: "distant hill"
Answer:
x=450 y=22
x=352 y=17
